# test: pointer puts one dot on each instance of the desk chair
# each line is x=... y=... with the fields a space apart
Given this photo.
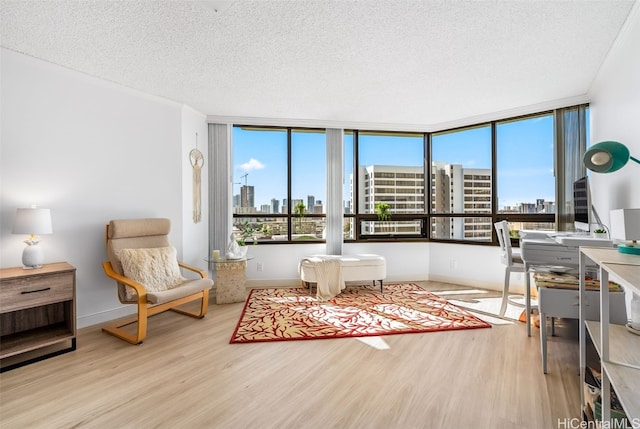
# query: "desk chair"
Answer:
x=511 y=259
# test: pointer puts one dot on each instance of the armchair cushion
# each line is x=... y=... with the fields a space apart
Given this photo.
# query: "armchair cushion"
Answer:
x=155 y=268
x=189 y=287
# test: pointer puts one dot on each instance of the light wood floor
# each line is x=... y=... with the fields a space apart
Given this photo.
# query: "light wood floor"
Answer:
x=187 y=375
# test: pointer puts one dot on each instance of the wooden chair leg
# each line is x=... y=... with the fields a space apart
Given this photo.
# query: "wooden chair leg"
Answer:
x=144 y=312
x=204 y=306
x=141 y=330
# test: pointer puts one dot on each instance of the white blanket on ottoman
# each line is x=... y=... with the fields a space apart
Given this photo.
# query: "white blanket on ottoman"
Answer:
x=328 y=275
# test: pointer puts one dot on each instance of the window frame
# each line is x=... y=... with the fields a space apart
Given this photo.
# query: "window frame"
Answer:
x=290 y=216
x=425 y=217
x=358 y=218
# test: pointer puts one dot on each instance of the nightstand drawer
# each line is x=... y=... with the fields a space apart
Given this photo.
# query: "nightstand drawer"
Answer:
x=26 y=292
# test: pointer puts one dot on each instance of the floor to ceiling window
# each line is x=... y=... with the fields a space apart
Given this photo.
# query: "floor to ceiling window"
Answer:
x=477 y=175
x=461 y=178
x=308 y=184
x=349 y=230
x=525 y=172
x=386 y=193
x=279 y=183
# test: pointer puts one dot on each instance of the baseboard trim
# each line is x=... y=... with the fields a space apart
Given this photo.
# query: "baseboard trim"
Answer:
x=471 y=283
x=128 y=310
x=272 y=283
x=105 y=316
x=275 y=283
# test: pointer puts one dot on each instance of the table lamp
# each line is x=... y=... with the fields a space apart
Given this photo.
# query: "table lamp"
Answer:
x=607 y=157
x=625 y=226
x=32 y=221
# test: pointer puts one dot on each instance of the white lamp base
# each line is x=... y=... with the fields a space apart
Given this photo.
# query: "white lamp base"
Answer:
x=32 y=257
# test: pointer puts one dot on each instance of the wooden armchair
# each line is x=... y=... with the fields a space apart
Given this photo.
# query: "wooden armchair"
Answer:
x=148 y=274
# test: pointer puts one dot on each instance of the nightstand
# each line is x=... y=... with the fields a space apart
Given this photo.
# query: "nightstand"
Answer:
x=37 y=313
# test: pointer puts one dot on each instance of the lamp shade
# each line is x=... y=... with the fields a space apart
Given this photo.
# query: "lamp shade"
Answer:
x=32 y=221
x=607 y=157
x=625 y=224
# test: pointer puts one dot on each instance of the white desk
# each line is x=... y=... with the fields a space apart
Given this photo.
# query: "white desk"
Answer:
x=557 y=249
x=619 y=349
x=565 y=303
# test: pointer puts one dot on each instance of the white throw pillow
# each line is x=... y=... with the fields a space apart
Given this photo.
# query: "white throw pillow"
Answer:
x=155 y=268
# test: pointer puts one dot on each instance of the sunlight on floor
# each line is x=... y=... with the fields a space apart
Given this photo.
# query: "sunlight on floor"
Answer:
x=488 y=309
x=335 y=316
x=293 y=299
x=460 y=292
x=375 y=342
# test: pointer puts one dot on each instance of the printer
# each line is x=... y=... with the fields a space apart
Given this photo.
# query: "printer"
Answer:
x=556 y=249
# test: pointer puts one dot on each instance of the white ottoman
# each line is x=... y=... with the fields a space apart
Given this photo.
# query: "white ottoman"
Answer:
x=364 y=267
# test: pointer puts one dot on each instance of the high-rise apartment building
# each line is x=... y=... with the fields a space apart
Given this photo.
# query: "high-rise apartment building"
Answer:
x=402 y=188
x=244 y=202
x=247 y=196
x=454 y=189
x=457 y=189
x=275 y=206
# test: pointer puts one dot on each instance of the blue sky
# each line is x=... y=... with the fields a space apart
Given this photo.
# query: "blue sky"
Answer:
x=525 y=159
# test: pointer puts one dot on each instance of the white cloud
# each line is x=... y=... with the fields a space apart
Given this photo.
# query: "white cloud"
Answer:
x=252 y=164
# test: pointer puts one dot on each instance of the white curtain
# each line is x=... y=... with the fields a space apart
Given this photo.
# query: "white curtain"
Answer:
x=334 y=191
x=570 y=142
x=220 y=187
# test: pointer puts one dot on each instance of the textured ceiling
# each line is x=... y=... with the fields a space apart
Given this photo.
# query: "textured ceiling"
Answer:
x=380 y=61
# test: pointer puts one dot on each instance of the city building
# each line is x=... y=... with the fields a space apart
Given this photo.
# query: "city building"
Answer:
x=247 y=196
x=275 y=206
x=402 y=188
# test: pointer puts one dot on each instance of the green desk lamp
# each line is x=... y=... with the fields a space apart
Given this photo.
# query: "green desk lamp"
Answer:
x=607 y=157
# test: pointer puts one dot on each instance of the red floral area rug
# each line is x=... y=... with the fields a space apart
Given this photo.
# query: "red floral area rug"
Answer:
x=359 y=311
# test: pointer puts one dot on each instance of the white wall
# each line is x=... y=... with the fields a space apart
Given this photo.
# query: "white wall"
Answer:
x=91 y=151
x=195 y=237
x=476 y=266
x=405 y=261
x=615 y=115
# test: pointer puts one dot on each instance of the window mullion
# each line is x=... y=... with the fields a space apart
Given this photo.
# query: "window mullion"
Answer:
x=289 y=192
